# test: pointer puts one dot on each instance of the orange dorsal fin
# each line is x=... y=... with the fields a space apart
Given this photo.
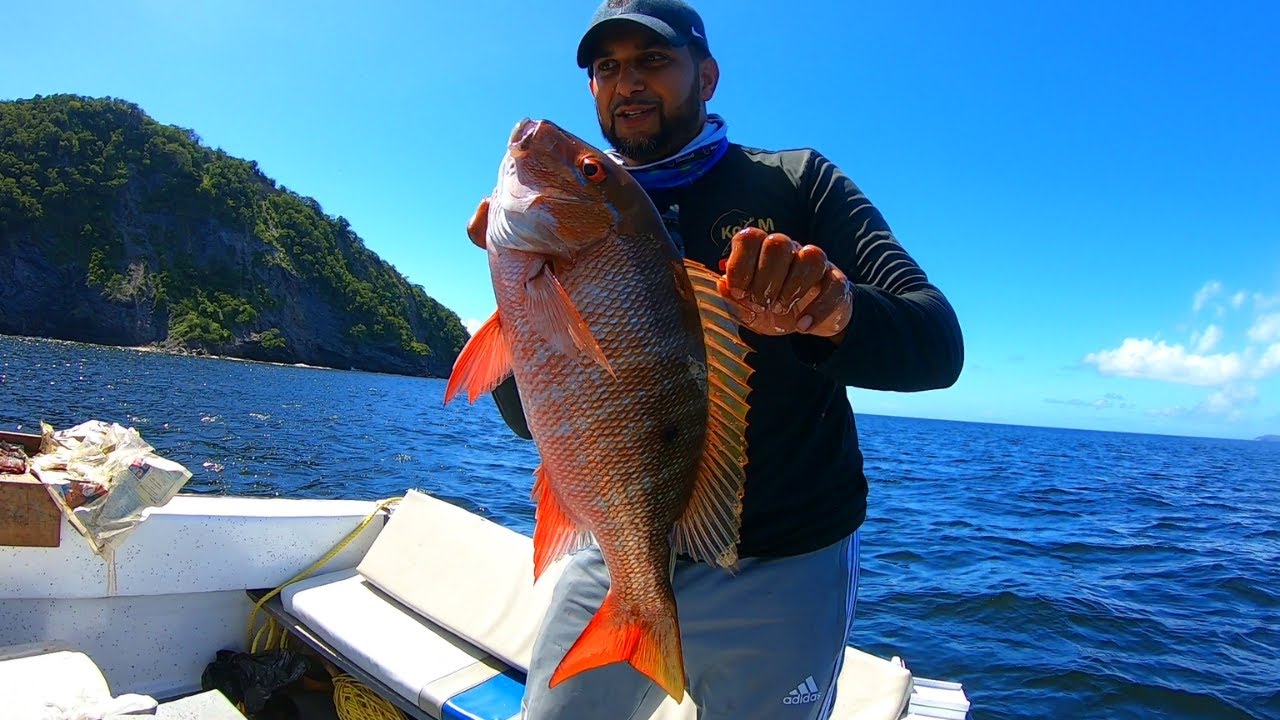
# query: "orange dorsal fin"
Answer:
x=708 y=530
x=484 y=362
x=554 y=533
x=554 y=316
x=649 y=641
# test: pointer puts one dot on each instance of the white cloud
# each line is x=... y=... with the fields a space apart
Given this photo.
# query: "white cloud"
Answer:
x=1151 y=360
x=1265 y=328
x=472 y=325
x=1204 y=294
x=1207 y=340
x=1106 y=402
x=1229 y=401
x=1268 y=363
x=1265 y=302
x=1225 y=356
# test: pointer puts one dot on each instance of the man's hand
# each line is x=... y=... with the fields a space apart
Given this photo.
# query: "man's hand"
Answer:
x=478 y=225
x=778 y=287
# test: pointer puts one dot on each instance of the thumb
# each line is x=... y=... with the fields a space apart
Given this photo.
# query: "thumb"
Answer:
x=740 y=312
x=478 y=225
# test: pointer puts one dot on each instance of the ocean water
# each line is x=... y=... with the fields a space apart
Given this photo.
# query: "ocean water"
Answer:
x=1056 y=573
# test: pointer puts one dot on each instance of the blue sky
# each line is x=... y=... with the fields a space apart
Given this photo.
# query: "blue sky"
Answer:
x=1093 y=184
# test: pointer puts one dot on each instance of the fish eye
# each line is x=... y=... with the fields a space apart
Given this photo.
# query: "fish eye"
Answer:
x=591 y=169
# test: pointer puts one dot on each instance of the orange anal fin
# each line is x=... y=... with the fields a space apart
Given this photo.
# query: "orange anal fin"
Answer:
x=650 y=643
x=484 y=362
x=554 y=533
x=556 y=319
x=708 y=529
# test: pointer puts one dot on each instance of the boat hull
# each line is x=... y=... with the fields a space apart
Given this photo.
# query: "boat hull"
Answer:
x=153 y=616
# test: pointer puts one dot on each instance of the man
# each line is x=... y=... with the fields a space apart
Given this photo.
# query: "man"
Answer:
x=827 y=299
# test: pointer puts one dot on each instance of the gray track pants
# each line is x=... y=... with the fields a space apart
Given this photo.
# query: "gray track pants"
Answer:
x=765 y=643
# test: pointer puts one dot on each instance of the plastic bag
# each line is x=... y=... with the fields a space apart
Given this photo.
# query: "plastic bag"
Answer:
x=248 y=681
x=104 y=476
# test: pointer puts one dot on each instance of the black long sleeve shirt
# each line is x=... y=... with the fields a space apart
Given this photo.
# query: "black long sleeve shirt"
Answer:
x=805 y=486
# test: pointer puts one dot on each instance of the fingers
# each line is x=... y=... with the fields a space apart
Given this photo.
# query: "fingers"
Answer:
x=778 y=286
x=744 y=254
x=807 y=269
x=832 y=307
x=478 y=225
x=776 y=253
x=758 y=266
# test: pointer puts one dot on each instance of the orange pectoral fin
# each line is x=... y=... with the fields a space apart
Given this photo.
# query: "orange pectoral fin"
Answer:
x=556 y=319
x=482 y=364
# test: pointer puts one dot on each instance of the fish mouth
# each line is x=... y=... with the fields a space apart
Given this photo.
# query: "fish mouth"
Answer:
x=522 y=136
x=519 y=148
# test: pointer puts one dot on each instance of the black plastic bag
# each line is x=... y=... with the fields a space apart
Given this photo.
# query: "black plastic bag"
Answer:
x=249 y=680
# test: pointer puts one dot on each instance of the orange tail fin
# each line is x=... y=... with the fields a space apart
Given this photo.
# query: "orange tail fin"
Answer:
x=651 y=644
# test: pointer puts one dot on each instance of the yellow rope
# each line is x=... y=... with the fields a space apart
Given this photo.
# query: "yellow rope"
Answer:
x=356 y=701
x=276 y=635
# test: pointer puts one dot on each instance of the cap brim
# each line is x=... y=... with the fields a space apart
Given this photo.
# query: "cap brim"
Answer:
x=665 y=31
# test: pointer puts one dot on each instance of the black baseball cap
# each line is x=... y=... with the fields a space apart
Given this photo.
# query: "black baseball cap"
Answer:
x=676 y=21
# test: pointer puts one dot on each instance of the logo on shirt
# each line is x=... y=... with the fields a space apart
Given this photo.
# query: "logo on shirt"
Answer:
x=806 y=692
x=732 y=222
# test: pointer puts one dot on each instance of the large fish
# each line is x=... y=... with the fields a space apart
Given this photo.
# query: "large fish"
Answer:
x=633 y=381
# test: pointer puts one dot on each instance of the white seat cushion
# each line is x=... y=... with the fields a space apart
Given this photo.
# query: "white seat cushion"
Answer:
x=416 y=658
x=472 y=576
x=870 y=688
x=34 y=682
x=466 y=573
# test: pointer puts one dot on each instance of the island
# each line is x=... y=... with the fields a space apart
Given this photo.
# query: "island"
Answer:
x=119 y=230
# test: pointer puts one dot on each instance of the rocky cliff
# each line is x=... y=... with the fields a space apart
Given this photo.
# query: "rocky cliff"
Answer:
x=116 y=229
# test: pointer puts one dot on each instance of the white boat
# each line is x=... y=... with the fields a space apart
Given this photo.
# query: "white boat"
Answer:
x=412 y=603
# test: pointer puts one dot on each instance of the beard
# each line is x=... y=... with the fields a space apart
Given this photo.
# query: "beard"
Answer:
x=675 y=130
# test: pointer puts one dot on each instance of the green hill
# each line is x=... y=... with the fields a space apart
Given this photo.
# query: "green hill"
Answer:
x=117 y=229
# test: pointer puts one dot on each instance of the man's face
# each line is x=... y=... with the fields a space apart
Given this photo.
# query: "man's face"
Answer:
x=649 y=96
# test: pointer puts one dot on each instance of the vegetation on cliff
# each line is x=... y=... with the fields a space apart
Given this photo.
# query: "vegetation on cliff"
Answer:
x=134 y=232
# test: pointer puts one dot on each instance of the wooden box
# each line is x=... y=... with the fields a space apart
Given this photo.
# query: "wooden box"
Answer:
x=28 y=516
